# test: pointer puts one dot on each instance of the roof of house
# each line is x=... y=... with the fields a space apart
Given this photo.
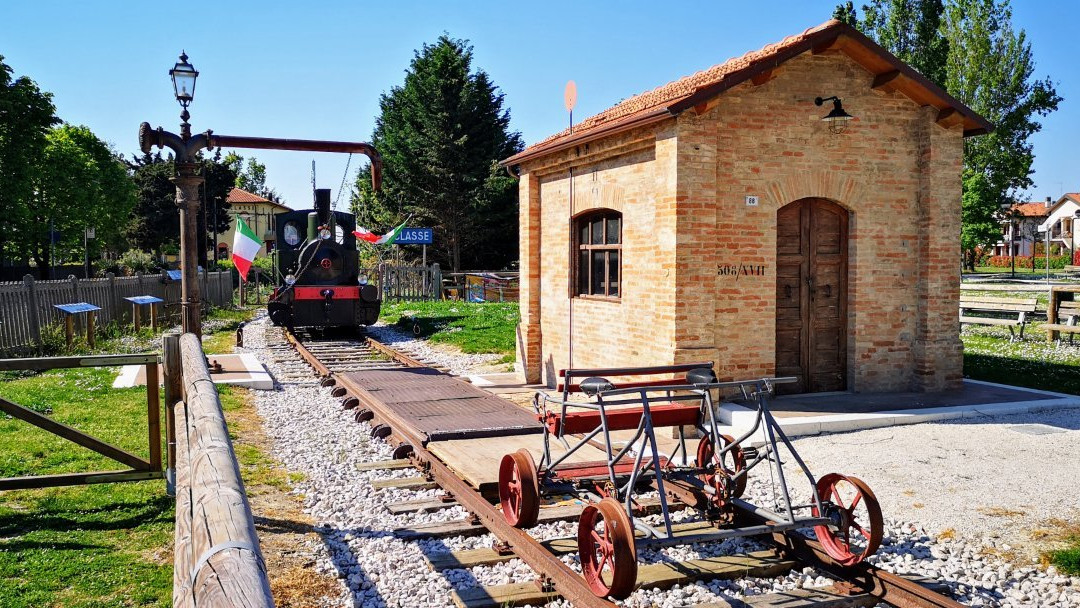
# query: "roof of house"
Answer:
x=1072 y=196
x=672 y=98
x=1036 y=209
x=236 y=195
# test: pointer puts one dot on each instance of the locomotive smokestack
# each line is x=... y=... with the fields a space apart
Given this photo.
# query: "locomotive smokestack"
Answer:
x=322 y=205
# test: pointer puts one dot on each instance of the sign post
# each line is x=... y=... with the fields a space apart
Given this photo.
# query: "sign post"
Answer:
x=418 y=236
x=87 y=235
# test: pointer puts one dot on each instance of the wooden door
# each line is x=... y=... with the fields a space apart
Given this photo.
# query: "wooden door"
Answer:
x=811 y=295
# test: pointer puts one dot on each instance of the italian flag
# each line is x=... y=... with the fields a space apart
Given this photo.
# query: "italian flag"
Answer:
x=245 y=247
x=374 y=239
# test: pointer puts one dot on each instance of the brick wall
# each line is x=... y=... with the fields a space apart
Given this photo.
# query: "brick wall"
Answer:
x=681 y=186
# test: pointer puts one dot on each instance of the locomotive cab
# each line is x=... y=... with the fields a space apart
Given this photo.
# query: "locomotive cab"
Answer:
x=317 y=266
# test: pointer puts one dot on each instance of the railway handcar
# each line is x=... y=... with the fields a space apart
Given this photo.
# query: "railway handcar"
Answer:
x=316 y=263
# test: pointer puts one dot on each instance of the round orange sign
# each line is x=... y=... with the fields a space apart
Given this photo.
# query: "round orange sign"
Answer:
x=570 y=96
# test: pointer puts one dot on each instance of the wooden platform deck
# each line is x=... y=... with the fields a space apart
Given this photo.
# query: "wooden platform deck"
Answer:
x=429 y=405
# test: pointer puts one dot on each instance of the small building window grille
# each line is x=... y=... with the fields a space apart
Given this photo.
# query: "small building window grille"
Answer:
x=598 y=237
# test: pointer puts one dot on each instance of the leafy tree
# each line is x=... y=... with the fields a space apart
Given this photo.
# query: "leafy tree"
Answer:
x=911 y=30
x=82 y=184
x=250 y=176
x=26 y=115
x=970 y=49
x=845 y=12
x=219 y=178
x=155 y=222
x=990 y=68
x=441 y=135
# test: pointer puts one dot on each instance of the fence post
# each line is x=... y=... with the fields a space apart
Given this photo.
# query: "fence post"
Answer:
x=114 y=299
x=436 y=281
x=173 y=376
x=74 y=280
x=32 y=309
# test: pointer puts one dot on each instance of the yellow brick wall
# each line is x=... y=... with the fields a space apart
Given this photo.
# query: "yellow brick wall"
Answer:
x=681 y=186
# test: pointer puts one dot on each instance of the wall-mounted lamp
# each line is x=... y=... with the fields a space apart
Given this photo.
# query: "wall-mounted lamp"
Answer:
x=837 y=118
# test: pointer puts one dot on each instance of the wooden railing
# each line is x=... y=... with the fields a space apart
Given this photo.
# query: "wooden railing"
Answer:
x=140 y=468
x=217 y=560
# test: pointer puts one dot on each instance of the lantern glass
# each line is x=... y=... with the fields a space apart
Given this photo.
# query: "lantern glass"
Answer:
x=183 y=76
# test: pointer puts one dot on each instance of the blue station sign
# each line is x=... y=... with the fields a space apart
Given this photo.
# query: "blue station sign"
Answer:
x=415 y=236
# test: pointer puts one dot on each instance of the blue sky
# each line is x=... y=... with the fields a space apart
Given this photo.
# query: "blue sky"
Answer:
x=315 y=70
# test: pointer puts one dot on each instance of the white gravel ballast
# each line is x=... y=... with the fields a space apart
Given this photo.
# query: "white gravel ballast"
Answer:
x=313 y=436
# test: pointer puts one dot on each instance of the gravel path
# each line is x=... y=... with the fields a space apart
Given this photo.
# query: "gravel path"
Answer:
x=313 y=436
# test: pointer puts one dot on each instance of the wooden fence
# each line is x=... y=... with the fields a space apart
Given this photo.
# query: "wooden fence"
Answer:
x=408 y=282
x=217 y=559
x=26 y=307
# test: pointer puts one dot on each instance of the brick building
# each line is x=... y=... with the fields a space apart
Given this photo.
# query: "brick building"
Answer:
x=718 y=217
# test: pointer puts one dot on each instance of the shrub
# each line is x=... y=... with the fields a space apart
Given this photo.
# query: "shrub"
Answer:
x=133 y=261
x=1027 y=261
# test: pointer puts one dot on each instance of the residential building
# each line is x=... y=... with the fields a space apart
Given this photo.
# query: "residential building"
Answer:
x=1063 y=221
x=721 y=218
x=258 y=214
x=1021 y=228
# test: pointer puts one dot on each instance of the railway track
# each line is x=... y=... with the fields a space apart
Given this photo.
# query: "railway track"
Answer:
x=326 y=361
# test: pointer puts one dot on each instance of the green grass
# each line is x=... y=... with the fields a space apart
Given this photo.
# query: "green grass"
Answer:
x=99 y=545
x=1068 y=560
x=1032 y=362
x=89 y=546
x=1008 y=269
x=473 y=327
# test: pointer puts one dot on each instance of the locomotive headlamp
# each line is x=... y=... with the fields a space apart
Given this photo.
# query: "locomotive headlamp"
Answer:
x=324 y=233
x=290 y=279
x=183 y=78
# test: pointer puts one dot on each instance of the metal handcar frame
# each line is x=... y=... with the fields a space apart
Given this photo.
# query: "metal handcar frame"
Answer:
x=609 y=533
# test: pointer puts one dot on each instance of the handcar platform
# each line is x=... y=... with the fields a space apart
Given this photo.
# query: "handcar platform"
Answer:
x=426 y=404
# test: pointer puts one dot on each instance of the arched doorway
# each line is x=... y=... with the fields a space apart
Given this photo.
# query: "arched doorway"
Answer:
x=811 y=295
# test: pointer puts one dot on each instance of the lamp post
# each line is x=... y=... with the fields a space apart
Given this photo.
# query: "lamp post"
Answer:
x=186 y=147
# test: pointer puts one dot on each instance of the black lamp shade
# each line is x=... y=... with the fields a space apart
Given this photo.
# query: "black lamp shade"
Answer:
x=183 y=76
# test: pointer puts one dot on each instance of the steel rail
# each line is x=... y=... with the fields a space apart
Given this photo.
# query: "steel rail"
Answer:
x=308 y=356
x=890 y=588
x=547 y=565
x=394 y=353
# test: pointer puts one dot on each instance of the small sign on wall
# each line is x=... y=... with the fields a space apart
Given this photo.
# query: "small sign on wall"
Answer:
x=751 y=201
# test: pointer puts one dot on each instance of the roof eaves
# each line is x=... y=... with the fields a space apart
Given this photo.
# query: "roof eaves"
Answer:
x=612 y=128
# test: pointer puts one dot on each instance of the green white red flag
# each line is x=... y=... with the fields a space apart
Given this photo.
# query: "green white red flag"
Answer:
x=374 y=239
x=245 y=247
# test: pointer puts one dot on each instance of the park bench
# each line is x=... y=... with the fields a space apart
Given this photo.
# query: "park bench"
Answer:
x=1007 y=312
x=1071 y=270
x=1068 y=317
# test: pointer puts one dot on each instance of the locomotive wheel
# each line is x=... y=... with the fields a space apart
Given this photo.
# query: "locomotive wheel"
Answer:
x=519 y=490
x=856 y=516
x=381 y=431
x=403 y=450
x=724 y=486
x=608 y=555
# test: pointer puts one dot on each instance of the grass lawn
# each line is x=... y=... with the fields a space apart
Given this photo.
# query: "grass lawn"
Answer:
x=1008 y=269
x=94 y=546
x=486 y=327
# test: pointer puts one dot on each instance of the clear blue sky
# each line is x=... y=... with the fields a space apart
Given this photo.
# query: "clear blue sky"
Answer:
x=315 y=70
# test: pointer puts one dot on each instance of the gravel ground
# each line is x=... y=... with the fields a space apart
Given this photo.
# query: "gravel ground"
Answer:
x=313 y=436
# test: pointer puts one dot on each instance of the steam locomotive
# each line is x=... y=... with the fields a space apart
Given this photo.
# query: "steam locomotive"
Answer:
x=316 y=262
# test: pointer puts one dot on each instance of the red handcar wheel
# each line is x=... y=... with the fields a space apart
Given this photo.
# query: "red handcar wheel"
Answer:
x=859 y=532
x=608 y=556
x=705 y=458
x=519 y=492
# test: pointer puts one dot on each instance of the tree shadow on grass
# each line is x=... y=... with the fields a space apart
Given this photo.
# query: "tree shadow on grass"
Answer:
x=114 y=516
x=1040 y=375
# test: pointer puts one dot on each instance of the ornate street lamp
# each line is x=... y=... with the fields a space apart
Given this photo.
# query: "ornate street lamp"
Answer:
x=187 y=184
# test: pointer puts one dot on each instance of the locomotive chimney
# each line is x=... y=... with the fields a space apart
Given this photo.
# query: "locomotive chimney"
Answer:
x=322 y=205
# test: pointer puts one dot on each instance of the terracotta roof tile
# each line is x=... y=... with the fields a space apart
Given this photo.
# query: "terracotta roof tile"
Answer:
x=667 y=98
x=1036 y=209
x=682 y=88
x=236 y=195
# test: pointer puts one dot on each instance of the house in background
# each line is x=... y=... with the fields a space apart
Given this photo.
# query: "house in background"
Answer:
x=1022 y=229
x=258 y=214
x=1063 y=220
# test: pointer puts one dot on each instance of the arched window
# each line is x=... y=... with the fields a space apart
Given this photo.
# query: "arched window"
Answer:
x=598 y=240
